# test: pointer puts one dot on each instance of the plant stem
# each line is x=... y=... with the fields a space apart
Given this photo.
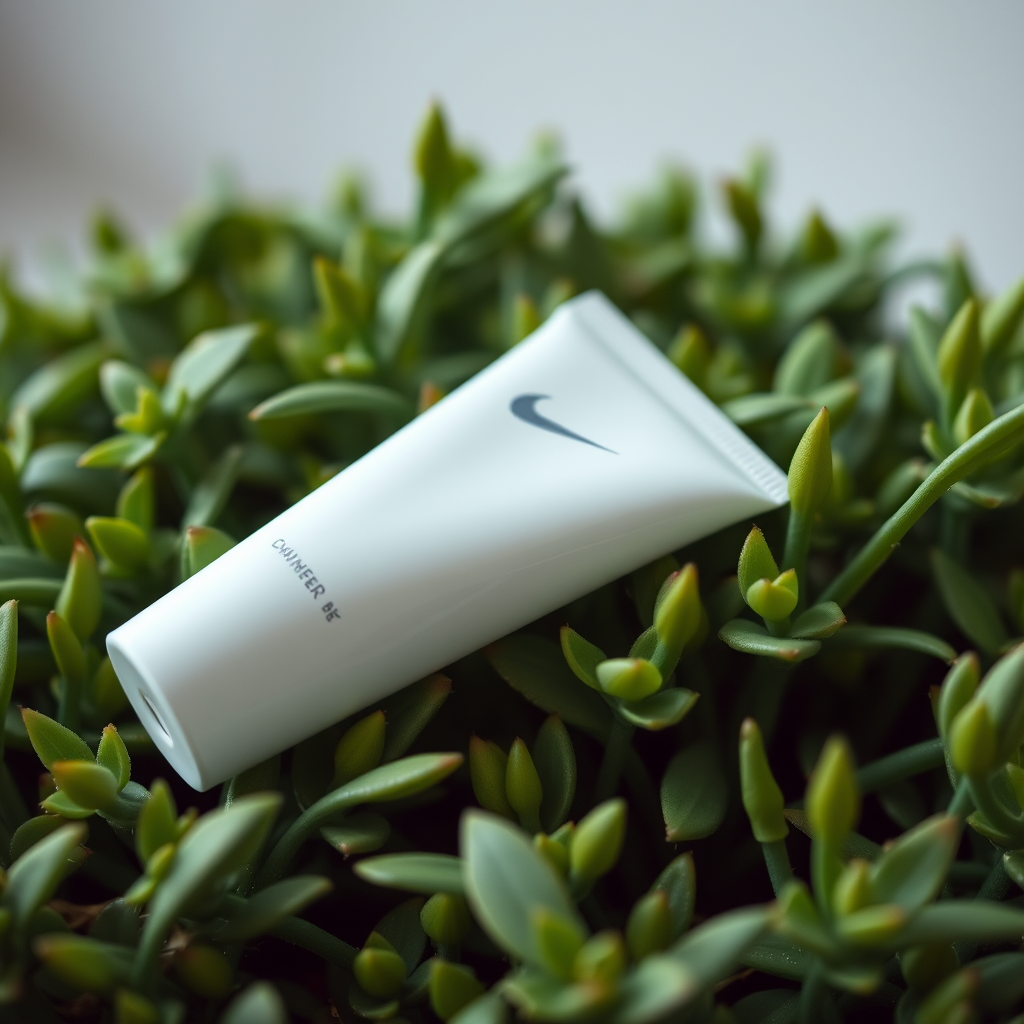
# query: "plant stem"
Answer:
x=814 y=997
x=963 y=801
x=619 y=739
x=776 y=859
x=995 y=887
x=921 y=757
x=798 y=543
x=326 y=946
x=69 y=703
x=985 y=445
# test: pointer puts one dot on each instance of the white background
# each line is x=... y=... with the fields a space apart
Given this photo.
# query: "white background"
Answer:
x=913 y=107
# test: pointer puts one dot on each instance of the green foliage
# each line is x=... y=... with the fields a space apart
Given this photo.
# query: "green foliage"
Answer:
x=201 y=386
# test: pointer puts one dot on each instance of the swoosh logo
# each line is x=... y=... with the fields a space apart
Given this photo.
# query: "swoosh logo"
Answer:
x=524 y=407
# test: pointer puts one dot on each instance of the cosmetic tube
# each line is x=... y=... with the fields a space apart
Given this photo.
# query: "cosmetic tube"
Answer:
x=574 y=458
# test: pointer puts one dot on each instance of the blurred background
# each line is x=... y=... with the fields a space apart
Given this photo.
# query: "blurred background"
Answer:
x=874 y=107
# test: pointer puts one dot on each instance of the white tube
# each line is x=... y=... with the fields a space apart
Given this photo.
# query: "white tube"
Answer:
x=579 y=455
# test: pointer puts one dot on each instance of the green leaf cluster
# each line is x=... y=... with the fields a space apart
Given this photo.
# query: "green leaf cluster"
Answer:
x=523 y=834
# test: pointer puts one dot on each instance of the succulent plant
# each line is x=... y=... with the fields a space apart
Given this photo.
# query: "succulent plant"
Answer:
x=544 y=863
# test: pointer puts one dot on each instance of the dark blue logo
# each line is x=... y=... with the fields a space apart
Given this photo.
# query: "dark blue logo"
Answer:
x=524 y=407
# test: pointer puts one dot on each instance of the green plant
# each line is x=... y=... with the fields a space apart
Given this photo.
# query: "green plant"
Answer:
x=183 y=394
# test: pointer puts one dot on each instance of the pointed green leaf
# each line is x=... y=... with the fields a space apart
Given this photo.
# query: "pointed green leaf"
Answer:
x=712 y=950
x=123 y=451
x=30 y=832
x=358 y=833
x=113 y=755
x=211 y=493
x=818 y=622
x=334 y=396
x=581 y=656
x=694 y=795
x=409 y=712
x=659 y=711
x=62 y=382
x=913 y=869
x=425 y=873
x=120 y=383
x=264 y=910
x=555 y=759
x=204 y=364
x=34 y=877
x=968 y=604
x=536 y=668
x=506 y=879
x=753 y=638
x=52 y=741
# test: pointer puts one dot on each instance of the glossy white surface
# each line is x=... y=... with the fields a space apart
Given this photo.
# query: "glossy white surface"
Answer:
x=460 y=528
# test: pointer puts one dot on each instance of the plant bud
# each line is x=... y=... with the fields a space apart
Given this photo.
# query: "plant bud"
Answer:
x=148 y=416
x=950 y=1001
x=677 y=609
x=958 y=688
x=833 y=801
x=434 y=158
x=553 y=852
x=691 y=352
x=131 y=1008
x=88 y=784
x=762 y=798
x=872 y=926
x=204 y=971
x=649 y=928
x=201 y=546
x=810 y=471
x=1002 y=317
x=756 y=562
x=340 y=300
x=775 y=599
x=80 y=601
x=923 y=967
x=557 y=941
x=67 y=649
x=602 y=959
x=359 y=750
x=959 y=355
x=629 y=678
x=445 y=918
x=136 y=501
x=157 y=821
x=523 y=787
x=380 y=972
x=817 y=242
x=853 y=888
x=743 y=206
x=597 y=842
x=113 y=755
x=1002 y=691
x=487 y=763
x=972 y=740
x=77 y=961
x=975 y=413
x=452 y=987
x=54 y=528
x=123 y=543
